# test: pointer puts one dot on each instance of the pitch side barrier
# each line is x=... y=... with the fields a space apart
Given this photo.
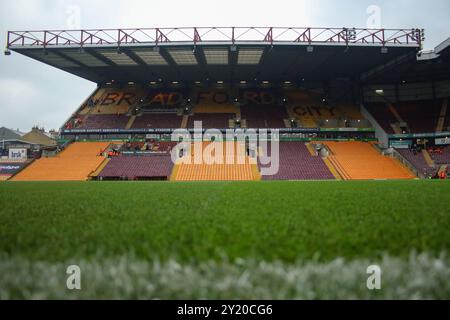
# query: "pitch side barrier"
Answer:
x=404 y=141
x=203 y=130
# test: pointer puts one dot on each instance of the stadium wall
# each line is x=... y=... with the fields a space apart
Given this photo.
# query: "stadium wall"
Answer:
x=380 y=134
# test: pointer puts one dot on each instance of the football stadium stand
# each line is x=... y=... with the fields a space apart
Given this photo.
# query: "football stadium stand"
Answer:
x=380 y=90
x=418 y=161
x=111 y=101
x=157 y=120
x=440 y=156
x=238 y=171
x=151 y=167
x=356 y=160
x=75 y=163
x=104 y=121
x=383 y=115
x=297 y=163
x=211 y=120
x=312 y=111
x=417 y=116
x=420 y=116
x=263 y=116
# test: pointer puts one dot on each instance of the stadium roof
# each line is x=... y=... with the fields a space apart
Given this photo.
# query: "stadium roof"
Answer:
x=430 y=65
x=188 y=55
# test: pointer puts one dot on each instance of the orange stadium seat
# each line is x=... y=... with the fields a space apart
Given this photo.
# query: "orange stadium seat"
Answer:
x=216 y=172
x=75 y=163
x=360 y=161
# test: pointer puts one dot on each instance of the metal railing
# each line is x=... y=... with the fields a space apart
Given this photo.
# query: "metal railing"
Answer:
x=267 y=35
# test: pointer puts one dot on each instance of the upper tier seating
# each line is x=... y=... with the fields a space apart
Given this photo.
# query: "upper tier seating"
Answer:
x=311 y=112
x=360 y=161
x=418 y=161
x=75 y=163
x=297 y=163
x=112 y=101
x=421 y=116
x=263 y=116
x=158 y=121
x=211 y=120
x=143 y=167
x=105 y=121
x=382 y=114
x=217 y=172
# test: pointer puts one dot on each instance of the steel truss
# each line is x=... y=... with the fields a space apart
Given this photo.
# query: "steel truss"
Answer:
x=200 y=35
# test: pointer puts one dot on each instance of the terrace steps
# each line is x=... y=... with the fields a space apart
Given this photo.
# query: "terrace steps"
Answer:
x=256 y=173
x=310 y=149
x=338 y=168
x=428 y=158
x=130 y=122
x=332 y=169
x=184 y=122
x=100 y=168
x=442 y=116
x=395 y=112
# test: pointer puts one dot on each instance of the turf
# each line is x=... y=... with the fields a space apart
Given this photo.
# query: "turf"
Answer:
x=200 y=222
x=421 y=276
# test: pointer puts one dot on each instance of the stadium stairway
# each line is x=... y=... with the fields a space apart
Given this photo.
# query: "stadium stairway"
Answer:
x=184 y=122
x=100 y=168
x=442 y=116
x=75 y=163
x=130 y=122
x=360 y=161
x=332 y=169
x=428 y=158
x=395 y=112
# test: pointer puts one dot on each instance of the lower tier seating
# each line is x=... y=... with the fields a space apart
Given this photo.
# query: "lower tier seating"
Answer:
x=440 y=156
x=360 y=161
x=418 y=161
x=153 y=167
x=297 y=163
x=216 y=172
x=75 y=163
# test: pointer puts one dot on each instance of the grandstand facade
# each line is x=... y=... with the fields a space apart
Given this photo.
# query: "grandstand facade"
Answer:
x=345 y=104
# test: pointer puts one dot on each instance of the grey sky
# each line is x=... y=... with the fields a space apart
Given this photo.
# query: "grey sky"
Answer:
x=32 y=93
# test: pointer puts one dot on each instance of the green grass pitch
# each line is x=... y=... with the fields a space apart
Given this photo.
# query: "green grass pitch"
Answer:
x=208 y=228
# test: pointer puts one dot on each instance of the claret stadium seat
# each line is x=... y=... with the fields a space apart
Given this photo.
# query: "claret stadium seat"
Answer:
x=417 y=160
x=154 y=167
x=297 y=163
